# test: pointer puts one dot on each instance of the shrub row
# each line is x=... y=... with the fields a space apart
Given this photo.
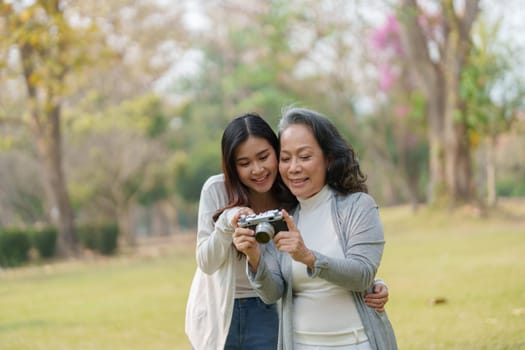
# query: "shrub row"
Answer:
x=16 y=243
x=101 y=238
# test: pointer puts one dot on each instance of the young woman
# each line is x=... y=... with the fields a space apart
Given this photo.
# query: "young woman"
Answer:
x=223 y=310
x=328 y=258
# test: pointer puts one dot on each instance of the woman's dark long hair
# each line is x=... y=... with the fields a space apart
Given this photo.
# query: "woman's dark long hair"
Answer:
x=343 y=173
x=237 y=132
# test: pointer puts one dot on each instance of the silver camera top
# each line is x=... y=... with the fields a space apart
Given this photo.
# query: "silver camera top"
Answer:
x=254 y=219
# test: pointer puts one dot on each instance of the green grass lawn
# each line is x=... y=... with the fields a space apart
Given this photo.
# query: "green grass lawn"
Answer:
x=112 y=304
x=476 y=265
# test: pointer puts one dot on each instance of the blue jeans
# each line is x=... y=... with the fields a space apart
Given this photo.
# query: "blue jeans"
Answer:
x=254 y=326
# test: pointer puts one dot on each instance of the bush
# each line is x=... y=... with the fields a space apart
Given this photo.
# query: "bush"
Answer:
x=87 y=236
x=14 y=247
x=101 y=238
x=511 y=188
x=107 y=240
x=44 y=241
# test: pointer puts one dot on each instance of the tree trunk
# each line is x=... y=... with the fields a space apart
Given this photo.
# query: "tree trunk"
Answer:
x=45 y=127
x=126 y=236
x=436 y=183
x=429 y=79
x=451 y=130
x=491 y=171
x=439 y=79
x=44 y=75
x=49 y=147
x=464 y=184
x=458 y=155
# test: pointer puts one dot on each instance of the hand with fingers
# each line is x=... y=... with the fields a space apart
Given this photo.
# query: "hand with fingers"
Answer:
x=292 y=243
x=244 y=240
x=239 y=211
x=378 y=298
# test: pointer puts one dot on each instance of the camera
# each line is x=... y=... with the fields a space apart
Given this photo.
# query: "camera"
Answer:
x=265 y=224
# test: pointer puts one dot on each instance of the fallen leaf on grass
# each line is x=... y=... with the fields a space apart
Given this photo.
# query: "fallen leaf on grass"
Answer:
x=438 y=300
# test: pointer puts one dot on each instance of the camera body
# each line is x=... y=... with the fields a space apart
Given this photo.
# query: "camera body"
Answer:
x=265 y=224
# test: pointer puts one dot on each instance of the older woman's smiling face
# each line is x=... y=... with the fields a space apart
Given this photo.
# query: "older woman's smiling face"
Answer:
x=302 y=163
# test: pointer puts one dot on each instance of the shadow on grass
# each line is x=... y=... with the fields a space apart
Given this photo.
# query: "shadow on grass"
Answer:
x=7 y=327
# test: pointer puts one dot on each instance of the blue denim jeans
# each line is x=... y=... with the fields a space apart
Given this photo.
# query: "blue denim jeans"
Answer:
x=254 y=326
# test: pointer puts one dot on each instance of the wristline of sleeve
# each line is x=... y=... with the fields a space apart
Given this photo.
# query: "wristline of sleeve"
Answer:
x=260 y=279
x=320 y=263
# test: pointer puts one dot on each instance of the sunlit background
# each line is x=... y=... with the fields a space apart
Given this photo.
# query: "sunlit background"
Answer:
x=111 y=111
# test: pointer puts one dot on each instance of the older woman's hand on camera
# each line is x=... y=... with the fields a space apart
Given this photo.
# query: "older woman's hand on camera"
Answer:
x=292 y=243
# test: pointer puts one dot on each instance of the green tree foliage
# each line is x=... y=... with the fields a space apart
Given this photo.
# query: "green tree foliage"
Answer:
x=438 y=75
x=49 y=49
x=126 y=148
x=21 y=192
x=262 y=57
x=492 y=92
x=132 y=149
x=491 y=89
x=243 y=69
x=82 y=62
x=195 y=169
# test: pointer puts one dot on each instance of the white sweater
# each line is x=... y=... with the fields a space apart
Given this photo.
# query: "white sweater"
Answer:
x=323 y=313
x=210 y=301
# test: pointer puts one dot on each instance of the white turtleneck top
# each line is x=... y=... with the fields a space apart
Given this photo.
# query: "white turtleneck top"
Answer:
x=324 y=313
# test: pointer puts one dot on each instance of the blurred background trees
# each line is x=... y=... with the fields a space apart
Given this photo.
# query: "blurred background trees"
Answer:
x=112 y=111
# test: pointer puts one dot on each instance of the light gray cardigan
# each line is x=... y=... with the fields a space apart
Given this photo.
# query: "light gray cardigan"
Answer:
x=360 y=231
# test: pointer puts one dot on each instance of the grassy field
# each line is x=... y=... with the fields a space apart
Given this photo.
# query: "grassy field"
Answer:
x=476 y=266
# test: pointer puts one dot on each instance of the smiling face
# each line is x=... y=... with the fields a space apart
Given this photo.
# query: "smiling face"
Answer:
x=256 y=164
x=302 y=163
